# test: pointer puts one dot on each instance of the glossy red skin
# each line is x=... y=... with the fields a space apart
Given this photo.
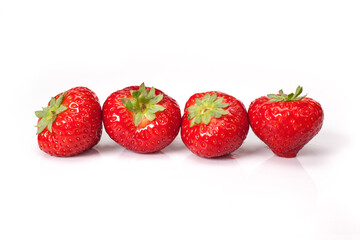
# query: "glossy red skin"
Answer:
x=76 y=129
x=222 y=135
x=285 y=126
x=149 y=136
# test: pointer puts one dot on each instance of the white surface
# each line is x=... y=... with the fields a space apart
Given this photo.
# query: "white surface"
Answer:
x=246 y=49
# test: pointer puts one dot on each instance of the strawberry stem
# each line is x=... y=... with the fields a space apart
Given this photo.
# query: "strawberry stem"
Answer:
x=48 y=114
x=206 y=108
x=144 y=104
x=281 y=97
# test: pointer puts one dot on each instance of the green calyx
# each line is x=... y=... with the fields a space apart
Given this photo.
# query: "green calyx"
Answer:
x=144 y=104
x=48 y=114
x=281 y=97
x=206 y=108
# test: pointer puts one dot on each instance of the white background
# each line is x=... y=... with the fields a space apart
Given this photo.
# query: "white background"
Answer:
x=244 y=48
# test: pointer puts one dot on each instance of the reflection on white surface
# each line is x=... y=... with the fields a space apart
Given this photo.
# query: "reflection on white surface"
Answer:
x=283 y=183
x=250 y=192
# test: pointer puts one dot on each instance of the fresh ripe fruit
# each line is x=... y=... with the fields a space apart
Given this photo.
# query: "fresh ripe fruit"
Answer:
x=71 y=123
x=214 y=124
x=141 y=119
x=286 y=122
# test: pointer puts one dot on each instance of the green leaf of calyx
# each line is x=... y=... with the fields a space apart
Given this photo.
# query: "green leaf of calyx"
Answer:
x=42 y=124
x=138 y=117
x=272 y=95
x=151 y=93
x=206 y=98
x=142 y=87
x=52 y=101
x=60 y=99
x=40 y=114
x=196 y=120
x=197 y=101
x=206 y=118
x=157 y=99
x=135 y=94
x=150 y=116
x=61 y=109
x=129 y=105
x=214 y=97
x=290 y=96
x=156 y=108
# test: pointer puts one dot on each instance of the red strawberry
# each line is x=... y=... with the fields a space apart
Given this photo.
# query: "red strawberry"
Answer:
x=286 y=122
x=71 y=123
x=141 y=119
x=214 y=124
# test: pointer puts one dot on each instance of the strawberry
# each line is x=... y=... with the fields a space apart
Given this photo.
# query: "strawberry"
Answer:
x=286 y=122
x=214 y=124
x=141 y=119
x=71 y=123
